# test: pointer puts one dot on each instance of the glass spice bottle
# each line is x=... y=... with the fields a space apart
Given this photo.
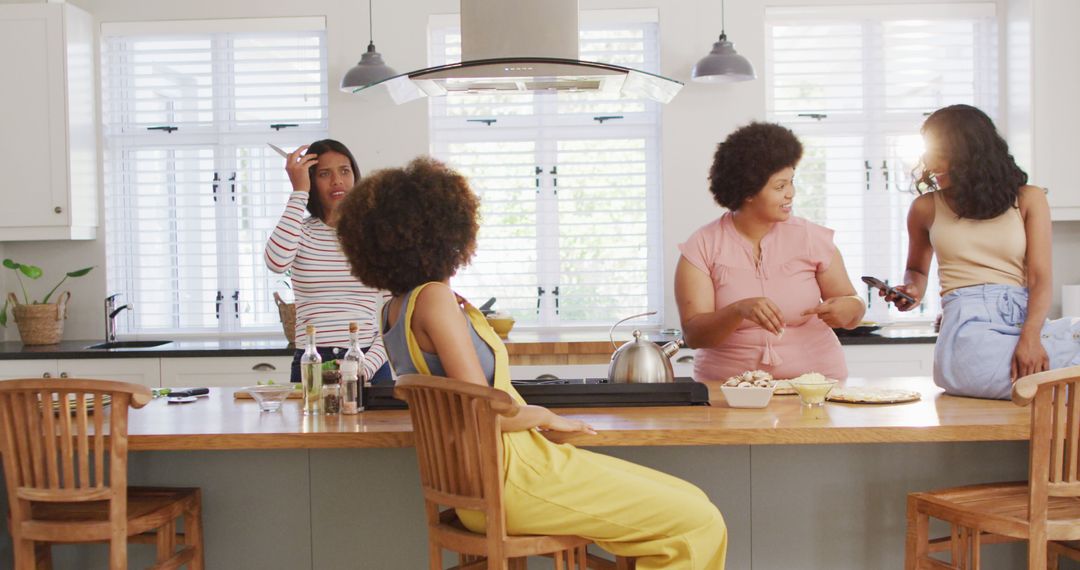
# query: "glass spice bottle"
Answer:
x=352 y=399
x=311 y=375
x=331 y=391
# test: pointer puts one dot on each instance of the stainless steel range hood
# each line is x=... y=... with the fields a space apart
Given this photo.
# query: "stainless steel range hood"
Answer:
x=515 y=46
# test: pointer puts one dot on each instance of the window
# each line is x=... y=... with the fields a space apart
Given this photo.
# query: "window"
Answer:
x=569 y=186
x=855 y=83
x=192 y=189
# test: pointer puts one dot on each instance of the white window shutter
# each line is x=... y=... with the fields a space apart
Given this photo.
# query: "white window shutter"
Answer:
x=856 y=84
x=192 y=189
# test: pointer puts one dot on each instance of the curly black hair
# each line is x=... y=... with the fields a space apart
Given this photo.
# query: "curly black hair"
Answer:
x=747 y=158
x=984 y=178
x=402 y=227
x=315 y=205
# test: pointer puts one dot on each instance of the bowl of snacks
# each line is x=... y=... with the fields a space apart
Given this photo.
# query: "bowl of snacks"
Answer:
x=501 y=322
x=751 y=389
x=813 y=388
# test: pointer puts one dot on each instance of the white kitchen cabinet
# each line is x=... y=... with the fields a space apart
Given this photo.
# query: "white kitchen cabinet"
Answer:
x=145 y=371
x=48 y=132
x=27 y=369
x=1043 y=81
x=224 y=370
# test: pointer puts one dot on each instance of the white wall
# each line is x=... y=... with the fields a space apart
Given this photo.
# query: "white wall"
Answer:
x=382 y=134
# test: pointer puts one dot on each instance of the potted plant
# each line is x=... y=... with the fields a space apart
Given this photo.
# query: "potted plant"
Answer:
x=287 y=311
x=39 y=322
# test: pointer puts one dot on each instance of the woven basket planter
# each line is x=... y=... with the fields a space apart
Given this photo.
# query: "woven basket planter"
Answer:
x=40 y=324
x=287 y=314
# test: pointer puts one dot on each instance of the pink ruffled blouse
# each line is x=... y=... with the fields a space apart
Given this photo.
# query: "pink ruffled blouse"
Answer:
x=792 y=254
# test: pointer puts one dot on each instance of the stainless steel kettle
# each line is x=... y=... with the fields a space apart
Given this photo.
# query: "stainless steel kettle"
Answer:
x=641 y=361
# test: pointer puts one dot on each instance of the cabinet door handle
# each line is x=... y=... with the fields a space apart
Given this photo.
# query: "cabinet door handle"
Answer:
x=63 y=374
x=264 y=367
x=46 y=375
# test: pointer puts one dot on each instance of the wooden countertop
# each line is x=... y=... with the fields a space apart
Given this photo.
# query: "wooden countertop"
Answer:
x=219 y=422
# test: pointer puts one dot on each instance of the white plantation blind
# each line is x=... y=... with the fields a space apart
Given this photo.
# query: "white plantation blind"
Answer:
x=192 y=189
x=569 y=186
x=856 y=84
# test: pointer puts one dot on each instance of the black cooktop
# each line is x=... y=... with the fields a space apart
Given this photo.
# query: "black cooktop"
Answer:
x=578 y=393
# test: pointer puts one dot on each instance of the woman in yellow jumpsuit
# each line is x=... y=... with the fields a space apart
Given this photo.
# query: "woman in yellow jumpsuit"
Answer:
x=408 y=231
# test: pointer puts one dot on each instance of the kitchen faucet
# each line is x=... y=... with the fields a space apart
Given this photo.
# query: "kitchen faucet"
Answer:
x=111 y=310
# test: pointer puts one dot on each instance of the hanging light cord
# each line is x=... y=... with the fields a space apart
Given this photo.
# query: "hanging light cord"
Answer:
x=723 y=21
x=371 y=24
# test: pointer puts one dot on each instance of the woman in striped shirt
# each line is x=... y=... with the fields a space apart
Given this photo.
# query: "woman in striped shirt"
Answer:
x=327 y=295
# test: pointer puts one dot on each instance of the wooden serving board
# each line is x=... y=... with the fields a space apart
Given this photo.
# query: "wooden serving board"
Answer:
x=245 y=395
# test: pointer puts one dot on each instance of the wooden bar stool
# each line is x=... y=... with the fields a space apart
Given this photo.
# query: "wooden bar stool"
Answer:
x=1045 y=511
x=459 y=450
x=59 y=490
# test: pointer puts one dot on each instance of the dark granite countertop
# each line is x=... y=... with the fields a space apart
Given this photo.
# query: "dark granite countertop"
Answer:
x=277 y=346
x=205 y=347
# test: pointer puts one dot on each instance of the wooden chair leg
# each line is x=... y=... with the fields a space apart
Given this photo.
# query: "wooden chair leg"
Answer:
x=1037 y=554
x=622 y=563
x=193 y=535
x=916 y=541
x=166 y=541
x=43 y=556
x=435 y=557
x=118 y=554
x=25 y=557
x=976 y=546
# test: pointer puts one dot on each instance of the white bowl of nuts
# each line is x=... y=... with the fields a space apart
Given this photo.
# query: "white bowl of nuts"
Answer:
x=751 y=389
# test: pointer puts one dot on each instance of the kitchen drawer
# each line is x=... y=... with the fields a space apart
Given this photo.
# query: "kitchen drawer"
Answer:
x=224 y=371
x=10 y=369
x=145 y=371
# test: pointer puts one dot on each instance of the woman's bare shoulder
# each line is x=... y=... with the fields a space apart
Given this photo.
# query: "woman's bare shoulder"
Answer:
x=922 y=209
x=436 y=296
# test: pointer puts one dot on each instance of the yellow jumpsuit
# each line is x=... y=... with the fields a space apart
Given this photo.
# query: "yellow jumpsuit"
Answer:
x=627 y=509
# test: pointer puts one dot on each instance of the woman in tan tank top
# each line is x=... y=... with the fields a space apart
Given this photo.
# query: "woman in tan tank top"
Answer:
x=991 y=233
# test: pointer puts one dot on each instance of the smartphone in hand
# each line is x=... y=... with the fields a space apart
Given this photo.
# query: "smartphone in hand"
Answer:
x=878 y=283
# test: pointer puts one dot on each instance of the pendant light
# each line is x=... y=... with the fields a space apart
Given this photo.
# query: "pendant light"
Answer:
x=723 y=64
x=371 y=69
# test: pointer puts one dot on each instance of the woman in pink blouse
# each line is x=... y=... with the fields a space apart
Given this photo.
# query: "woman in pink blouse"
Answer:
x=759 y=288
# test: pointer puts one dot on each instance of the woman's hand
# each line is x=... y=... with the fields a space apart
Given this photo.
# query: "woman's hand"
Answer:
x=1030 y=357
x=298 y=165
x=900 y=302
x=762 y=311
x=839 y=312
x=555 y=422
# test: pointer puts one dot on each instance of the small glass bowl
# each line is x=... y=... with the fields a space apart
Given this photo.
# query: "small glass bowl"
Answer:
x=270 y=397
x=813 y=393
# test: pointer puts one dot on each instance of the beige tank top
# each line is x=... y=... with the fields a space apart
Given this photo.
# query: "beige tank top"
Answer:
x=978 y=252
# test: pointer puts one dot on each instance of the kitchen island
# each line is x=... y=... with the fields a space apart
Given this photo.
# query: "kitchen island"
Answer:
x=799 y=488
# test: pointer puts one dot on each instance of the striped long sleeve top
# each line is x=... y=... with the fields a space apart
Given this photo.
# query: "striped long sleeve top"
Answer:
x=327 y=295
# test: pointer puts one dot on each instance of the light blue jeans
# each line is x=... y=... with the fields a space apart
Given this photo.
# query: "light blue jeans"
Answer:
x=980 y=327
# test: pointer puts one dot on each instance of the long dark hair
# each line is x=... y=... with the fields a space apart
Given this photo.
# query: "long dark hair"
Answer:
x=314 y=204
x=984 y=178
